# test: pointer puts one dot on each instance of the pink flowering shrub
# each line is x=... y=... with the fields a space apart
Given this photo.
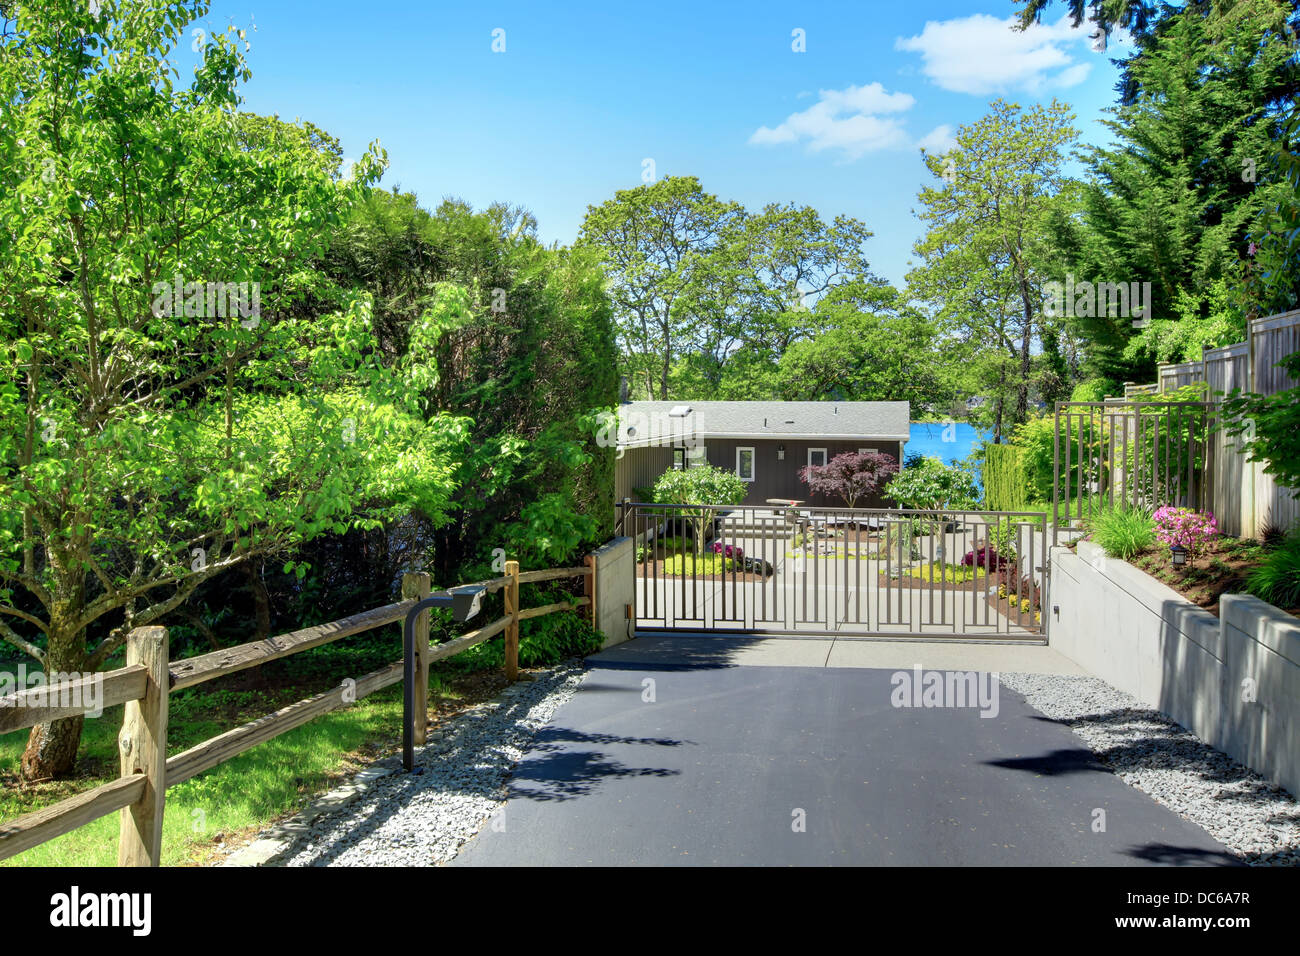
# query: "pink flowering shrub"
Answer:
x=1183 y=526
x=732 y=551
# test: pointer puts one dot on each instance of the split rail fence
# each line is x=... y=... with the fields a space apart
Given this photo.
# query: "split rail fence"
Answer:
x=148 y=678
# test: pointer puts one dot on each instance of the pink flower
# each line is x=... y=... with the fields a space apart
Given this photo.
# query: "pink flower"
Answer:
x=1184 y=527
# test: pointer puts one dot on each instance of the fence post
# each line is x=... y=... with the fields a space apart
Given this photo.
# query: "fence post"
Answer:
x=589 y=588
x=415 y=587
x=512 y=629
x=143 y=746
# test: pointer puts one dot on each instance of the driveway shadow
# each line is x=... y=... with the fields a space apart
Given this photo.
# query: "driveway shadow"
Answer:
x=1166 y=854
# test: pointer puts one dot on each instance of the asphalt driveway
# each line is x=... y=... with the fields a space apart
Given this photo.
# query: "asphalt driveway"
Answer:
x=670 y=754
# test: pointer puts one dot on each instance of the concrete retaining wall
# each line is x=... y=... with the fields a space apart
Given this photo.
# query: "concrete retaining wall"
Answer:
x=1234 y=682
x=614 y=590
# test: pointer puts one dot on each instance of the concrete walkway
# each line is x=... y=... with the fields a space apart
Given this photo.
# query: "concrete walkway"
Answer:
x=810 y=651
x=743 y=751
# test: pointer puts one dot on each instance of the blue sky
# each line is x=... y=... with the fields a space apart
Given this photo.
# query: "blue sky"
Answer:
x=583 y=94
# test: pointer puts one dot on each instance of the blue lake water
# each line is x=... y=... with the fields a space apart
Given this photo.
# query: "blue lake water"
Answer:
x=950 y=442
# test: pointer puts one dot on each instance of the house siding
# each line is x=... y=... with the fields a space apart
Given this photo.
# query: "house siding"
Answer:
x=775 y=478
x=638 y=468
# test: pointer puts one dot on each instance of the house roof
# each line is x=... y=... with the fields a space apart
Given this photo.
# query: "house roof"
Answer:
x=665 y=423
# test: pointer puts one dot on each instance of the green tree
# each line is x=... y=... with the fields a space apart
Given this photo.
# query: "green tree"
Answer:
x=1173 y=200
x=166 y=412
x=867 y=343
x=656 y=241
x=709 y=296
x=985 y=256
x=701 y=485
x=930 y=485
x=530 y=366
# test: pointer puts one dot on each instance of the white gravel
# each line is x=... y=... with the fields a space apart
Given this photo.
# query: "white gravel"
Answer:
x=423 y=818
x=1254 y=818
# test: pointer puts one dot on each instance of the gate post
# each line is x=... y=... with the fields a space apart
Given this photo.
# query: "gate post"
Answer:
x=415 y=587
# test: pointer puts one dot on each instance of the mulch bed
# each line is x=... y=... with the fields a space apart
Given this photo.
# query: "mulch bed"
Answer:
x=656 y=569
x=1221 y=569
x=1008 y=607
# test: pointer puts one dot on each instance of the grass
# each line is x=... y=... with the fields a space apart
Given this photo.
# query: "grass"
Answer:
x=1123 y=532
x=242 y=794
x=273 y=780
x=1277 y=578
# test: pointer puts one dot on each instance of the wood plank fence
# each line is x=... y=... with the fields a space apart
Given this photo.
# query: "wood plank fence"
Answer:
x=146 y=681
x=1243 y=498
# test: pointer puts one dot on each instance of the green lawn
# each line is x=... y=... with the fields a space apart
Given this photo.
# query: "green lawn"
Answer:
x=244 y=793
x=250 y=791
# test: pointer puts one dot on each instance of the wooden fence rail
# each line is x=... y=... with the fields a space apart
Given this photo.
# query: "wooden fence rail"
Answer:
x=146 y=682
x=1244 y=498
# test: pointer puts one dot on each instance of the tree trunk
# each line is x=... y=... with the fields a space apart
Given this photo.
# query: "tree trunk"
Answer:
x=52 y=747
x=1022 y=394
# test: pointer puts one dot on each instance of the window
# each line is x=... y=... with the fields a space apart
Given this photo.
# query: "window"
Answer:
x=816 y=456
x=745 y=464
x=679 y=459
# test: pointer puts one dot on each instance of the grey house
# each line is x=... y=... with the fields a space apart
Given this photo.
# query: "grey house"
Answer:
x=764 y=443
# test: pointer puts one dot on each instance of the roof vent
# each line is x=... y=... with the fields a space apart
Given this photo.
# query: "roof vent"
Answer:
x=679 y=411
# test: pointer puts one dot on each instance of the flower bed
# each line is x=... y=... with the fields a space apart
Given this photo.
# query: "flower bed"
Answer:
x=1220 y=567
x=1021 y=606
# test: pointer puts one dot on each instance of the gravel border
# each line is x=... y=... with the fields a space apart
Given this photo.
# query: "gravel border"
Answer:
x=1257 y=820
x=384 y=817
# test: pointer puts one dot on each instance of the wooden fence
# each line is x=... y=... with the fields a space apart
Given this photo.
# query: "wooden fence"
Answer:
x=1243 y=498
x=147 y=679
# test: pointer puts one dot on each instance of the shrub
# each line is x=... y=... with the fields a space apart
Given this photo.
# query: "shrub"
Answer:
x=851 y=475
x=1269 y=427
x=689 y=565
x=985 y=557
x=1037 y=443
x=1183 y=526
x=941 y=572
x=1094 y=390
x=1123 y=531
x=701 y=485
x=932 y=486
x=1002 y=537
x=1006 y=483
x=1277 y=580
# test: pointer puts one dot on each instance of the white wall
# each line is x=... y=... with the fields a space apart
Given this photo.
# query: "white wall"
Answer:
x=1146 y=639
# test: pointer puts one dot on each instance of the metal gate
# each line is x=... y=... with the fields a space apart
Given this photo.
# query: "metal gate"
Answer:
x=974 y=575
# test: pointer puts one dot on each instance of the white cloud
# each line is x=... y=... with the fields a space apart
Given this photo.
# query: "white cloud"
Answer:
x=846 y=120
x=938 y=140
x=981 y=54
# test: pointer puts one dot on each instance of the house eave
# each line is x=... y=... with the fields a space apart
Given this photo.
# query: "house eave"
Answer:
x=672 y=441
